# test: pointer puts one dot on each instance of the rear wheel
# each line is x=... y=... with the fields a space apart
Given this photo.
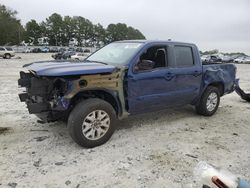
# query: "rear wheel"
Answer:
x=209 y=102
x=7 y=56
x=92 y=122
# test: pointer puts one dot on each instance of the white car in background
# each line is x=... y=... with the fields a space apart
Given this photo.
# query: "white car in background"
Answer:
x=27 y=50
x=78 y=56
x=226 y=59
x=244 y=59
x=247 y=60
x=204 y=58
x=6 y=52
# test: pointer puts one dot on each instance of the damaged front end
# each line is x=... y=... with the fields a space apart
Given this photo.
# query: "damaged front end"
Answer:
x=44 y=95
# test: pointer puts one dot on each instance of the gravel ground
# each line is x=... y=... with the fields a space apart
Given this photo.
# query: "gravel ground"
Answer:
x=151 y=150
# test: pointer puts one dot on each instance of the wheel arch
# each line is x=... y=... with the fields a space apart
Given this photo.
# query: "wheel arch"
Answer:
x=104 y=94
x=219 y=85
x=7 y=54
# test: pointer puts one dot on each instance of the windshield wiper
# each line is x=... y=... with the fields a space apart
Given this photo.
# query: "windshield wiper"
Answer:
x=96 y=62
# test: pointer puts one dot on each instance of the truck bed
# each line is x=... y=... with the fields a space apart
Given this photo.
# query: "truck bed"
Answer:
x=220 y=73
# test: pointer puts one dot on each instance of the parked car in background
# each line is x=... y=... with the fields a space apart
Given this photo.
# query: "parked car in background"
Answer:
x=244 y=59
x=86 y=52
x=68 y=54
x=36 y=50
x=27 y=50
x=53 y=49
x=204 y=58
x=6 y=52
x=63 y=55
x=45 y=49
x=227 y=59
x=78 y=56
x=234 y=56
x=72 y=49
x=239 y=59
x=57 y=55
x=247 y=60
x=212 y=59
x=79 y=50
x=62 y=50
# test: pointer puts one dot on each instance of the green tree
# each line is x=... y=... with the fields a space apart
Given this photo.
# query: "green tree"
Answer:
x=60 y=30
x=121 y=31
x=236 y=54
x=69 y=29
x=116 y=32
x=99 y=35
x=215 y=51
x=33 y=31
x=11 y=30
x=84 y=31
x=44 y=30
x=55 y=29
x=133 y=34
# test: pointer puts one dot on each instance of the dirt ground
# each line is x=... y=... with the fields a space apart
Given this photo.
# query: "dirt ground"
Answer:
x=151 y=150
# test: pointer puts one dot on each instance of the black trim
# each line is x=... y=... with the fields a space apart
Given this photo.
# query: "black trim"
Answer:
x=35 y=108
x=23 y=97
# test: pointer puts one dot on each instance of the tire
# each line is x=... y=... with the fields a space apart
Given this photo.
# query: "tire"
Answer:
x=85 y=122
x=209 y=102
x=7 y=56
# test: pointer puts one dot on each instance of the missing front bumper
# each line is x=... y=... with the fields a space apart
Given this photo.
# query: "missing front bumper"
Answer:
x=35 y=108
x=36 y=94
x=41 y=97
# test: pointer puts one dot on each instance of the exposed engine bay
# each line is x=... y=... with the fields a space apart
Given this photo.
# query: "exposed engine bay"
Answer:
x=43 y=94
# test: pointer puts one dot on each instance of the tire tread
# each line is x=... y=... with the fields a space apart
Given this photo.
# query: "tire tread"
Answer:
x=201 y=107
x=78 y=114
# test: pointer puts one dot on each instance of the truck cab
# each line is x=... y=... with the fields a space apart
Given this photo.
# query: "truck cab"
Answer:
x=164 y=75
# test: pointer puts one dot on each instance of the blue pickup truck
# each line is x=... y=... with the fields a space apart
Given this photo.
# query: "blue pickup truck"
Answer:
x=123 y=78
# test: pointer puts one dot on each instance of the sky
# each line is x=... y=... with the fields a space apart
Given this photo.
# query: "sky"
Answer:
x=210 y=24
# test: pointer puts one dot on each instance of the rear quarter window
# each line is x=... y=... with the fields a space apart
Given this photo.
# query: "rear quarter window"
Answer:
x=2 y=49
x=183 y=56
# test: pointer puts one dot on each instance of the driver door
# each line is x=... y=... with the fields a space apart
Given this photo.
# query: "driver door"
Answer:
x=148 y=89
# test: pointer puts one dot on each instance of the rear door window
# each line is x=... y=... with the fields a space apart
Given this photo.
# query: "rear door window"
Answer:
x=183 y=56
x=9 y=49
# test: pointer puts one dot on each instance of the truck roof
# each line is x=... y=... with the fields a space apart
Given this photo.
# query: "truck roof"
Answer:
x=157 y=41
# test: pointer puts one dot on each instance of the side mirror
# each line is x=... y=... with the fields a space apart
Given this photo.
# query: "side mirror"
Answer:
x=144 y=64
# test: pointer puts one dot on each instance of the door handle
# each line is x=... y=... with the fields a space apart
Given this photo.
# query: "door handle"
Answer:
x=169 y=76
x=197 y=73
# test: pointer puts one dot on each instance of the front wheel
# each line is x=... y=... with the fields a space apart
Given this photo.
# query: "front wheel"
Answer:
x=209 y=102
x=92 y=122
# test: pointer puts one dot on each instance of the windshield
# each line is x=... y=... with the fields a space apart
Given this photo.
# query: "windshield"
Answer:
x=115 y=53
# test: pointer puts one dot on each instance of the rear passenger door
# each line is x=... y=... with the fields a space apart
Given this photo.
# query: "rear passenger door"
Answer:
x=187 y=71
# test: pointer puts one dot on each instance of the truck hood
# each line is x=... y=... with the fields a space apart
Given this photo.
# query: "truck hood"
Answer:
x=55 y=68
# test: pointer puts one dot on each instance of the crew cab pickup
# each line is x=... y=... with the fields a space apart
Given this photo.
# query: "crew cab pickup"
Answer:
x=123 y=78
